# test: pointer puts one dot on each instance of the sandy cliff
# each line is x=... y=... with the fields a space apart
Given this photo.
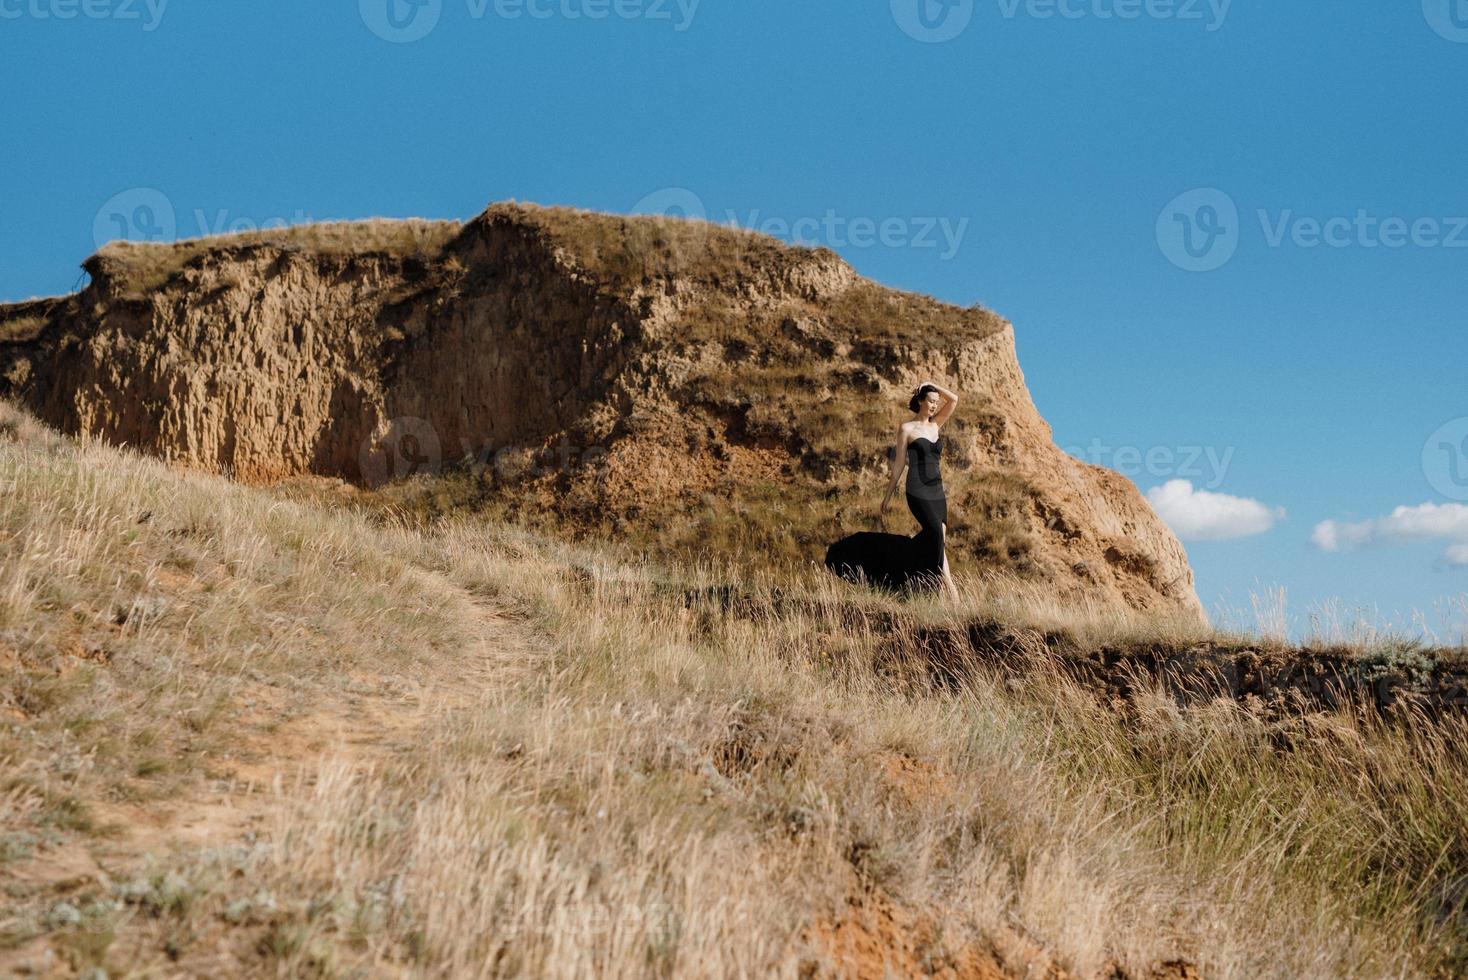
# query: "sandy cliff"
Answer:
x=677 y=383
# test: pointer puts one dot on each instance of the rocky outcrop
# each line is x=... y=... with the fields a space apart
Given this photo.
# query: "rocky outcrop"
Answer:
x=680 y=384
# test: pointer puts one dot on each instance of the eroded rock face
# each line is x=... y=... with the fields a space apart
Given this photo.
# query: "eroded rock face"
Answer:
x=681 y=384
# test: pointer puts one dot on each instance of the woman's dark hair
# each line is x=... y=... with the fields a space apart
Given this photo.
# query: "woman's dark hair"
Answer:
x=917 y=399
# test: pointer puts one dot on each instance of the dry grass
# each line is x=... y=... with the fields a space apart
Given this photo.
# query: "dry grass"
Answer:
x=644 y=785
x=631 y=251
x=887 y=314
x=21 y=329
x=760 y=520
x=139 y=268
x=625 y=252
x=638 y=247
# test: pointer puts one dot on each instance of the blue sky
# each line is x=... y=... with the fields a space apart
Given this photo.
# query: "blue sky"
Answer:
x=1232 y=236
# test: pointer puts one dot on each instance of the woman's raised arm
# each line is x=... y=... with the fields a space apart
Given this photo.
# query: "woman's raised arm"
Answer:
x=950 y=402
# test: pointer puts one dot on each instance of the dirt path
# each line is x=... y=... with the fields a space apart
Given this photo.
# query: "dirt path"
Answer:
x=281 y=742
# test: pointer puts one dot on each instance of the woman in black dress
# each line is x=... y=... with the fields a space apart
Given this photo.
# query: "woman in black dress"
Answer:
x=919 y=448
x=892 y=561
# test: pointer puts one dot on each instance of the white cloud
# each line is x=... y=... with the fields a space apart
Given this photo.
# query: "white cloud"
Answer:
x=1424 y=522
x=1202 y=515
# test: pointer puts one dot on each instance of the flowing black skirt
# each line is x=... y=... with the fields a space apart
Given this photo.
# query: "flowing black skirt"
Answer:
x=931 y=510
x=892 y=561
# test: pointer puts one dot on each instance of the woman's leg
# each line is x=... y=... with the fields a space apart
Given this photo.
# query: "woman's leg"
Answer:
x=947 y=579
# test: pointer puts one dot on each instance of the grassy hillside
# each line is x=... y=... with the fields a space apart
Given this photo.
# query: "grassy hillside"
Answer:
x=255 y=732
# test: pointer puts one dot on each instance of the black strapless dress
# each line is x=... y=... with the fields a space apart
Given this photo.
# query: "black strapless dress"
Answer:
x=925 y=496
x=894 y=562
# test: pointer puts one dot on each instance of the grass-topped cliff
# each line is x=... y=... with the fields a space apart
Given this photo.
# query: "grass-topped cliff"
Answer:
x=680 y=386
